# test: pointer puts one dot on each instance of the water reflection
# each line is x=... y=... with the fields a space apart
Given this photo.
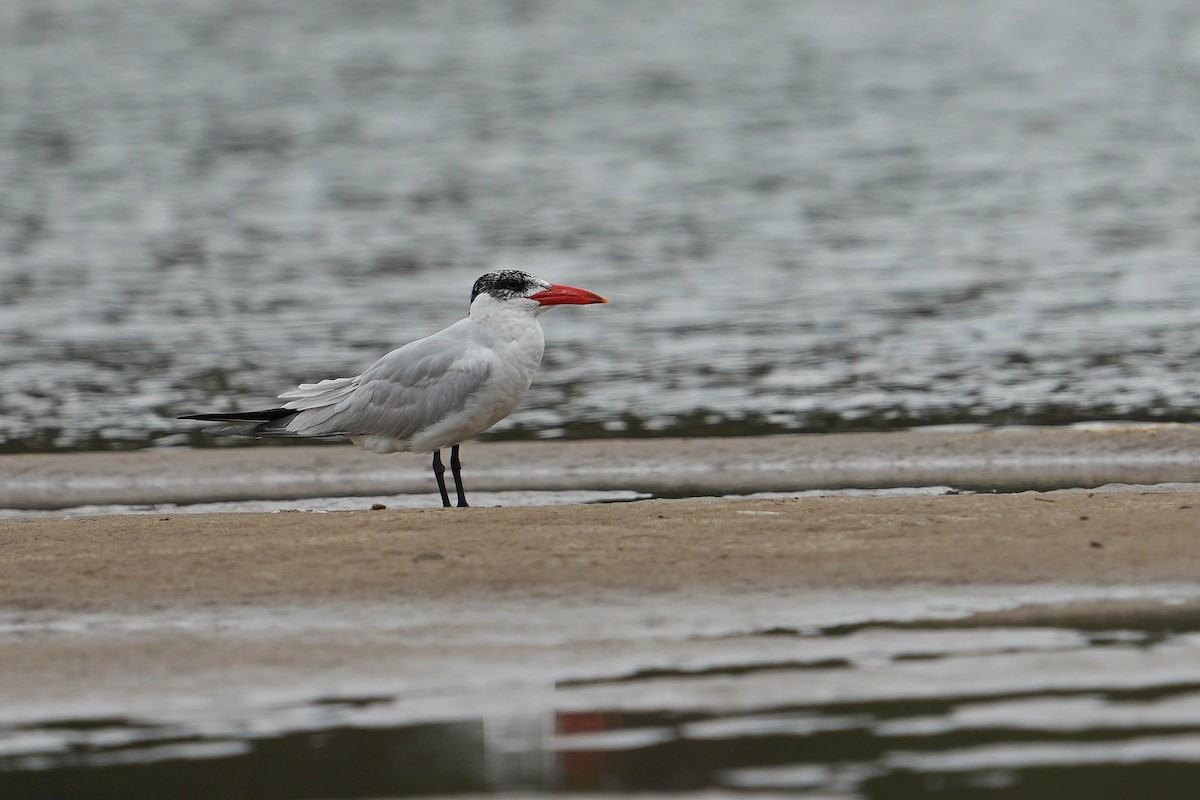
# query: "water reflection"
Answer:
x=1108 y=709
x=842 y=753
x=421 y=759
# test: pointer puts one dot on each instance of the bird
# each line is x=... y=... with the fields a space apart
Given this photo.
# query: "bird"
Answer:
x=430 y=394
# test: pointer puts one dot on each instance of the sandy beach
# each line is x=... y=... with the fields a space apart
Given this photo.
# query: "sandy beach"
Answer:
x=101 y=609
x=131 y=563
x=120 y=632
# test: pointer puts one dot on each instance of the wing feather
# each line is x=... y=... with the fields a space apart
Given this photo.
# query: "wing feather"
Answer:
x=407 y=390
x=316 y=395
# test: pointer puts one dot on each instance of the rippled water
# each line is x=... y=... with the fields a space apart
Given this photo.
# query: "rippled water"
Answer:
x=1096 y=707
x=808 y=216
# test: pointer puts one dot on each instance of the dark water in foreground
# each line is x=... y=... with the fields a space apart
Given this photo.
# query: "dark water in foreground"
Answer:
x=808 y=216
x=1103 y=708
x=924 y=710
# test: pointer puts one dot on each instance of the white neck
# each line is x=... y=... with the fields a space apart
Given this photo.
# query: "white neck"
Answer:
x=513 y=330
x=505 y=317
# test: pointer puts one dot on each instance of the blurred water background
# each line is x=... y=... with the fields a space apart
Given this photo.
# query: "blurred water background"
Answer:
x=809 y=216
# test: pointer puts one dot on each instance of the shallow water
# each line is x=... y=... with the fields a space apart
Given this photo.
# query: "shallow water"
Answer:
x=941 y=703
x=321 y=505
x=808 y=217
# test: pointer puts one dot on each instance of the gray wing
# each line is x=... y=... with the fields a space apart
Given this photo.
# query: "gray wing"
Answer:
x=400 y=394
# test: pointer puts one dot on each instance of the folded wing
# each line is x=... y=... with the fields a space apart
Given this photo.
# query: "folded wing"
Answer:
x=407 y=390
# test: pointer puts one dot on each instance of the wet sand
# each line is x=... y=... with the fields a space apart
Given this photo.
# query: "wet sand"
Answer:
x=1005 y=460
x=245 y=620
x=131 y=563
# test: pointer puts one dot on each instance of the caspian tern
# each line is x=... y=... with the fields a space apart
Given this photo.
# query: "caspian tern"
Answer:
x=433 y=393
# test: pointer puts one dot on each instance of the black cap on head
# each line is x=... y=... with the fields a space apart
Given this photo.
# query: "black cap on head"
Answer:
x=506 y=284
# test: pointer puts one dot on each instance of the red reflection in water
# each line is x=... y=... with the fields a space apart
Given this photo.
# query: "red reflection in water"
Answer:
x=588 y=769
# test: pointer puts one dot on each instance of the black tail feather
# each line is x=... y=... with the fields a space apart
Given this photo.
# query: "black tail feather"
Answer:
x=268 y=422
x=266 y=415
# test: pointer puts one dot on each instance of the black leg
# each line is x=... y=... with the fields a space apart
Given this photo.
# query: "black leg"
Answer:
x=439 y=472
x=456 y=470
